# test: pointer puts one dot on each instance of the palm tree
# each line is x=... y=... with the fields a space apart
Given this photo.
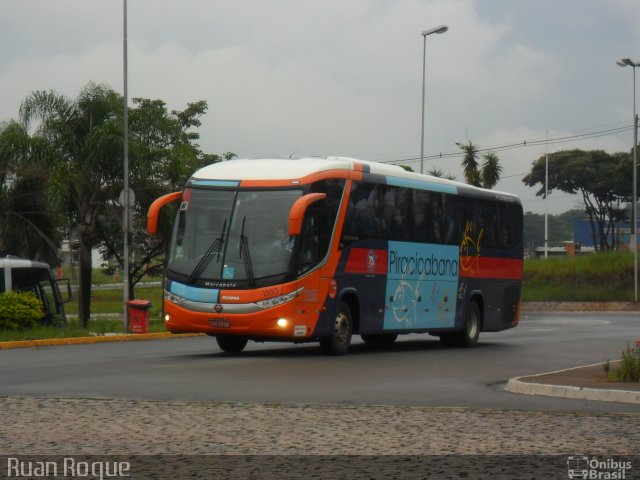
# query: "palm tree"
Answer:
x=27 y=224
x=491 y=170
x=437 y=172
x=470 y=163
x=84 y=139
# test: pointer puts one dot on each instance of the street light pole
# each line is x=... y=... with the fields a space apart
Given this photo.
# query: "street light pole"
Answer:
x=438 y=30
x=546 y=203
x=634 y=214
x=125 y=210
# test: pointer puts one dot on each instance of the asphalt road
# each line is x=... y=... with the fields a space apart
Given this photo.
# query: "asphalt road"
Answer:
x=415 y=371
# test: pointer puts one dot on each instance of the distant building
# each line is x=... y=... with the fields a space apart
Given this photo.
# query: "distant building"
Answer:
x=70 y=254
x=621 y=233
x=570 y=249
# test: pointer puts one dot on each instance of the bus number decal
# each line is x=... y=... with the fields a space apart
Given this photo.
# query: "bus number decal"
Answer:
x=311 y=296
x=270 y=292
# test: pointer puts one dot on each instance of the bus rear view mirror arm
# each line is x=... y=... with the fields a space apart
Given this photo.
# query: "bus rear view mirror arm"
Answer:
x=296 y=214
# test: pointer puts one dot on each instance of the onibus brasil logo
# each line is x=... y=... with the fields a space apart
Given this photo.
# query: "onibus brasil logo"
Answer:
x=582 y=466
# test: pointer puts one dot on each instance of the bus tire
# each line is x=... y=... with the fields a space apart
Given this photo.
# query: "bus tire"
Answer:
x=383 y=339
x=471 y=328
x=340 y=339
x=231 y=343
x=468 y=336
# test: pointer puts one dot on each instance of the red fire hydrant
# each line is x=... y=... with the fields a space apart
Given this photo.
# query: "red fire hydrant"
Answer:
x=138 y=315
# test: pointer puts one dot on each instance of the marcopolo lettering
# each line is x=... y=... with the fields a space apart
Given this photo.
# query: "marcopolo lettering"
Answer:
x=418 y=265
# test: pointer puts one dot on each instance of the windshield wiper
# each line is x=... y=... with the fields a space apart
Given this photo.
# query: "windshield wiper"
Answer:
x=244 y=246
x=213 y=250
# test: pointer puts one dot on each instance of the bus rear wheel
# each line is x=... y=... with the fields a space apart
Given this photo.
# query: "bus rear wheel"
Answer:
x=468 y=336
x=340 y=339
x=231 y=343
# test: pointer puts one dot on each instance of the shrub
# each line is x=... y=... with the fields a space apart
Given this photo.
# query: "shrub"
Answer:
x=629 y=369
x=19 y=310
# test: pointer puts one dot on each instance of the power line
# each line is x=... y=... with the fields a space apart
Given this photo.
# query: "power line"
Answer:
x=521 y=144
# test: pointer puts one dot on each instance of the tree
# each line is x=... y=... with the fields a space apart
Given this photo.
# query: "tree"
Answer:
x=79 y=147
x=600 y=178
x=27 y=223
x=491 y=170
x=436 y=172
x=470 y=163
x=560 y=227
x=163 y=155
x=485 y=177
x=84 y=152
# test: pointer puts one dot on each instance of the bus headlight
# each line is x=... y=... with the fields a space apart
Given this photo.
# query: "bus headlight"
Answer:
x=275 y=301
x=282 y=322
x=174 y=298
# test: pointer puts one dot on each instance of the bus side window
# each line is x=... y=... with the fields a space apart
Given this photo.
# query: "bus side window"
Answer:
x=365 y=207
x=334 y=189
x=316 y=236
x=309 y=253
x=421 y=216
x=398 y=213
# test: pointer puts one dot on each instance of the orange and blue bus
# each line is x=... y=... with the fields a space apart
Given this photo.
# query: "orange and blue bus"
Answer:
x=320 y=249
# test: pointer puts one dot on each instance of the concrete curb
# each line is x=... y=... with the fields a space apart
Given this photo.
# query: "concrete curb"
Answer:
x=518 y=385
x=49 y=342
x=530 y=307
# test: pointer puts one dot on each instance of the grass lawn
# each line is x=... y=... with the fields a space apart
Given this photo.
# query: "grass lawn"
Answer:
x=603 y=277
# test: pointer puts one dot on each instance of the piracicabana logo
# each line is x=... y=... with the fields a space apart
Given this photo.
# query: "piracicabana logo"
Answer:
x=584 y=467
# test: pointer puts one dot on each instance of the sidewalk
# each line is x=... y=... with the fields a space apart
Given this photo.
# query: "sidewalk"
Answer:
x=580 y=307
x=109 y=337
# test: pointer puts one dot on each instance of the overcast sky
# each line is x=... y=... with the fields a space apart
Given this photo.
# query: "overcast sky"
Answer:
x=344 y=77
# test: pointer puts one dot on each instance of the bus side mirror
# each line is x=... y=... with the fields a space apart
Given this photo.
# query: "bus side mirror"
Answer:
x=154 y=210
x=296 y=214
x=65 y=293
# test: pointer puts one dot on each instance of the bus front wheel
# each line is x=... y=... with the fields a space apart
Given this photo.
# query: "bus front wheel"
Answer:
x=231 y=343
x=340 y=339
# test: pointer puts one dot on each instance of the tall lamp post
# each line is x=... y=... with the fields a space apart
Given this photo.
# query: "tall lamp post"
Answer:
x=627 y=62
x=438 y=30
x=126 y=193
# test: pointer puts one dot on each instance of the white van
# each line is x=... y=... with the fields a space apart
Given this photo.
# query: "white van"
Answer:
x=22 y=275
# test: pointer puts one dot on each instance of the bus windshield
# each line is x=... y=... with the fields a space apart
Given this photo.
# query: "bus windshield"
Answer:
x=225 y=236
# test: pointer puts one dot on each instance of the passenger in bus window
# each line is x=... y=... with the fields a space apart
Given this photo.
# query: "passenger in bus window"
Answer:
x=283 y=240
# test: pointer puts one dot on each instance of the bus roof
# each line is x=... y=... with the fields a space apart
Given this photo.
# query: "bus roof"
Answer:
x=17 y=262
x=295 y=168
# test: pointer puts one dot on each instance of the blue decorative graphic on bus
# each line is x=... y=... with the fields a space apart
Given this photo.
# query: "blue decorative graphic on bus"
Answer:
x=195 y=294
x=422 y=185
x=213 y=183
x=422 y=282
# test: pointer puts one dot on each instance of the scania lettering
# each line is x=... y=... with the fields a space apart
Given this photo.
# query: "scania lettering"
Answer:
x=320 y=249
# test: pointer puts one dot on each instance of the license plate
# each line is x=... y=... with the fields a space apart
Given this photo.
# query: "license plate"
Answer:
x=219 y=323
